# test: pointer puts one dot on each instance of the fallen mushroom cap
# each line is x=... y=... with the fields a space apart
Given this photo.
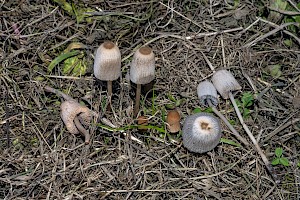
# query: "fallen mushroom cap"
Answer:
x=69 y=110
x=142 y=68
x=173 y=120
x=201 y=132
x=207 y=91
x=107 y=64
x=225 y=83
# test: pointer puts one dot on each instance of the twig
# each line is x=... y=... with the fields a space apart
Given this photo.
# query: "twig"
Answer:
x=280 y=128
x=258 y=149
x=278 y=28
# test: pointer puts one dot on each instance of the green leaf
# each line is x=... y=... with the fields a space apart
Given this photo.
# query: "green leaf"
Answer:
x=62 y=57
x=278 y=152
x=246 y=112
x=197 y=110
x=275 y=161
x=288 y=42
x=208 y=110
x=298 y=164
x=230 y=142
x=284 y=161
x=247 y=99
x=178 y=102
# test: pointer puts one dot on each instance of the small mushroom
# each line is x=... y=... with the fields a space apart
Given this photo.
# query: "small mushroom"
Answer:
x=207 y=95
x=107 y=64
x=142 y=122
x=142 y=71
x=74 y=115
x=173 y=120
x=201 y=132
x=207 y=92
x=225 y=83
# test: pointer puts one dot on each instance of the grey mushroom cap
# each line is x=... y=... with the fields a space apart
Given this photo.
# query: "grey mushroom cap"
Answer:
x=225 y=83
x=207 y=91
x=107 y=64
x=69 y=110
x=201 y=132
x=142 y=68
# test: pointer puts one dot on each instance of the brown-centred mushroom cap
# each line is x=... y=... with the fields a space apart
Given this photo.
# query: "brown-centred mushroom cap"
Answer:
x=107 y=64
x=173 y=120
x=142 y=68
x=201 y=132
x=69 y=110
x=207 y=91
x=225 y=83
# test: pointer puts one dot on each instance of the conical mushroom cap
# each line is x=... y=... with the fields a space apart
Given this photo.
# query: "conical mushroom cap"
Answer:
x=69 y=110
x=201 y=132
x=224 y=82
x=107 y=64
x=173 y=120
x=142 y=68
x=207 y=91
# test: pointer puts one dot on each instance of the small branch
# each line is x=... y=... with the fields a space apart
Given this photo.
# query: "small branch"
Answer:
x=258 y=149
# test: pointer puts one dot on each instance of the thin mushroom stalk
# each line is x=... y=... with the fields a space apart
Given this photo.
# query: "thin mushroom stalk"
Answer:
x=81 y=116
x=207 y=94
x=225 y=83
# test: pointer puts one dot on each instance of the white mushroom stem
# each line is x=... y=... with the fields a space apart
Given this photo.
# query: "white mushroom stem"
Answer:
x=258 y=149
x=137 y=100
x=233 y=130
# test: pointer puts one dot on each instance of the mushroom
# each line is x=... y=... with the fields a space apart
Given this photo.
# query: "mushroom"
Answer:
x=173 y=120
x=142 y=71
x=73 y=114
x=207 y=94
x=107 y=64
x=143 y=123
x=225 y=83
x=201 y=132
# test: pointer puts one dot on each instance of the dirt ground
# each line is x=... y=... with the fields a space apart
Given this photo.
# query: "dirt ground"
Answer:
x=52 y=43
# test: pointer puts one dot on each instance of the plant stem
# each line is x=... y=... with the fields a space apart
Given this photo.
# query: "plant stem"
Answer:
x=82 y=130
x=137 y=100
x=258 y=149
x=233 y=130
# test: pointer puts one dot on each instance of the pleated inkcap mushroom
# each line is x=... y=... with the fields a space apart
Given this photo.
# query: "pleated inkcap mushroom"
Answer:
x=207 y=92
x=142 y=68
x=225 y=83
x=107 y=64
x=173 y=120
x=142 y=71
x=71 y=109
x=201 y=132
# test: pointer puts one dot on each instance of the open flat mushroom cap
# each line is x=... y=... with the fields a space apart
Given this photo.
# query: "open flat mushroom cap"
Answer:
x=173 y=120
x=207 y=91
x=142 y=68
x=107 y=64
x=225 y=83
x=201 y=132
x=71 y=109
